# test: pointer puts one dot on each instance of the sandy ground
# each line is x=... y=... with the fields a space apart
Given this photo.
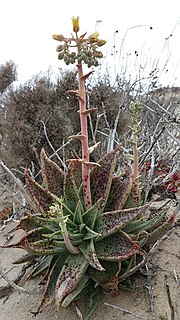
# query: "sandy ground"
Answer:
x=156 y=294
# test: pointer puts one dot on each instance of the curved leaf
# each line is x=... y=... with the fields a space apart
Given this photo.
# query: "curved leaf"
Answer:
x=71 y=194
x=49 y=294
x=162 y=230
x=93 y=299
x=42 y=197
x=101 y=177
x=77 y=290
x=109 y=222
x=120 y=190
x=53 y=176
x=109 y=278
x=117 y=247
x=88 y=251
x=34 y=242
x=72 y=272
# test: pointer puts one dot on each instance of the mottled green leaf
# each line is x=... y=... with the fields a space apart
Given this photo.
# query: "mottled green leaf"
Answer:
x=117 y=247
x=25 y=258
x=49 y=294
x=162 y=230
x=87 y=248
x=77 y=219
x=42 y=266
x=77 y=290
x=134 y=199
x=34 y=242
x=137 y=226
x=109 y=278
x=90 y=216
x=109 y=222
x=42 y=197
x=120 y=189
x=71 y=194
x=101 y=177
x=72 y=272
x=93 y=299
x=53 y=176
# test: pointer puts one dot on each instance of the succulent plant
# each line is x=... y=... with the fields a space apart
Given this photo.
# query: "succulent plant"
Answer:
x=81 y=247
x=89 y=227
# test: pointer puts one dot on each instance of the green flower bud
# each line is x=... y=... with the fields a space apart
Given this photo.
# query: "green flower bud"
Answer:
x=73 y=55
x=83 y=56
x=85 y=59
x=66 y=58
x=61 y=55
x=71 y=60
x=60 y=48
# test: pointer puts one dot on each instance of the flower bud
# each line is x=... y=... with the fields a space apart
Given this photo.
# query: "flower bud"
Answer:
x=60 y=48
x=101 y=42
x=98 y=54
x=89 y=53
x=93 y=37
x=58 y=37
x=71 y=60
x=75 y=22
x=61 y=55
x=66 y=58
x=95 y=63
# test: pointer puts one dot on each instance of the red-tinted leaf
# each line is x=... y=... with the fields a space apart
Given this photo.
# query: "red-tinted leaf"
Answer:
x=73 y=270
x=34 y=242
x=101 y=177
x=49 y=294
x=76 y=292
x=120 y=190
x=88 y=250
x=109 y=278
x=53 y=176
x=117 y=247
x=41 y=196
x=134 y=198
x=109 y=222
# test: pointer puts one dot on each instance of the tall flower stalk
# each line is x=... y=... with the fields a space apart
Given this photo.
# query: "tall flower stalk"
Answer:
x=86 y=53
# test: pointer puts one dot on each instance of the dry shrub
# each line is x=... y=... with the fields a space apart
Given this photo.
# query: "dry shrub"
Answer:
x=8 y=75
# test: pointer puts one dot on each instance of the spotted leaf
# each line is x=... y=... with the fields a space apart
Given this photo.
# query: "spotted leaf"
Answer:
x=49 y=294
x=120 y=189
x=88 y=251
x=72 y=272
x=101 y=177
x=53 y=176
x=110 y=222
x=34 y=242
x=42 y=197
x=117 y=247
x=161 y=230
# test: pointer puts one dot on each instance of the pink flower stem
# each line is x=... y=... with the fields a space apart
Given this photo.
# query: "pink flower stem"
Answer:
x=84 y=140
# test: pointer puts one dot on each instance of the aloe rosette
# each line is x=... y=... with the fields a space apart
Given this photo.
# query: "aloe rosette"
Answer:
x=82 y=247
